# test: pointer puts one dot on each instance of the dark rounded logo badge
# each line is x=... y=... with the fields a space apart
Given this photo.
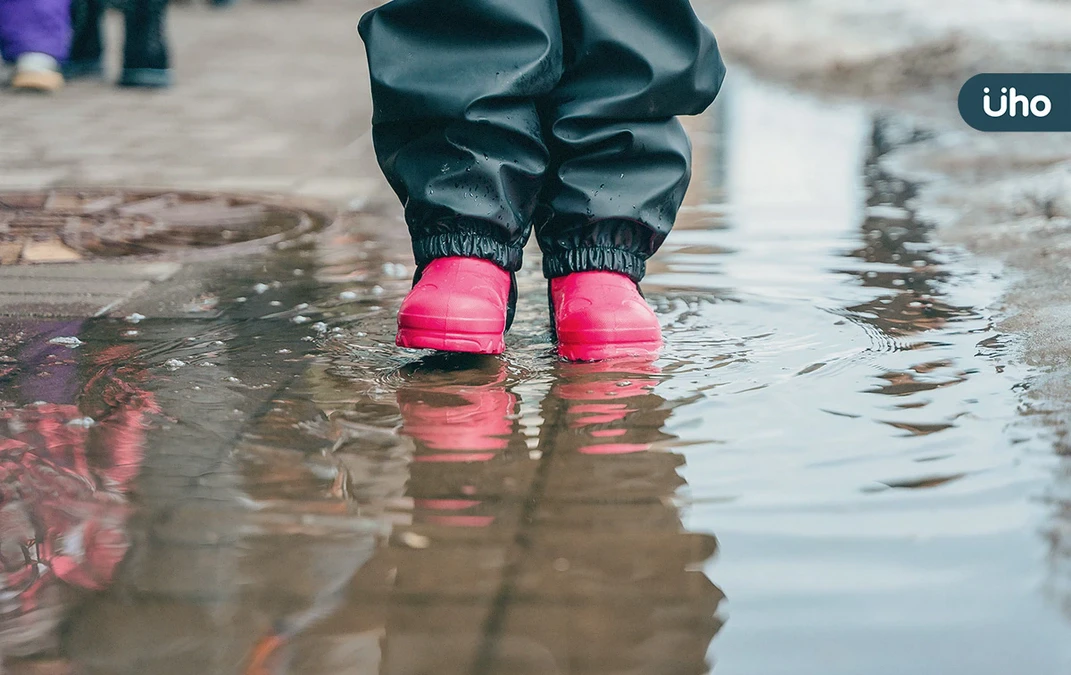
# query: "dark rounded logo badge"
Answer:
x=1017 y=102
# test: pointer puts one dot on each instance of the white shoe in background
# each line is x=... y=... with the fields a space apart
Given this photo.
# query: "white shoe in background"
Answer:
x=37 y=72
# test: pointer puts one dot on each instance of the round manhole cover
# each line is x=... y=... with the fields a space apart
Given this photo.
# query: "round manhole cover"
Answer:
x=72 y=225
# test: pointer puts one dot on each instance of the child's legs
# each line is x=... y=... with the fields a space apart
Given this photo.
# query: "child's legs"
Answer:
x=145 y=45
x=87 y=44
x=455 y=124
x=620 y=159
x=35 y=26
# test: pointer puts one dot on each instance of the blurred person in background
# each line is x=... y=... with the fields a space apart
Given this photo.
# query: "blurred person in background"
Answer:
x=35 y=36
x=146 y=62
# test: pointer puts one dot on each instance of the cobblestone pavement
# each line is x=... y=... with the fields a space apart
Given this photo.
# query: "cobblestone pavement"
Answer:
x=269 y=97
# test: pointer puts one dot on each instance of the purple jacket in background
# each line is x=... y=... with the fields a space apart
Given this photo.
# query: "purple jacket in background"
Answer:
x=35 y=26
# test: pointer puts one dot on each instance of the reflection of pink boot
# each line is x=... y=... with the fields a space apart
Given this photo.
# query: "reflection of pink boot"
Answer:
x=459 y=305
x=601 y=315
x=457 y=415
x=462 y=424
x=606 y=402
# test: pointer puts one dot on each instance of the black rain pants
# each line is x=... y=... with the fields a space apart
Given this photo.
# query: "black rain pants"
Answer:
x=494 y=116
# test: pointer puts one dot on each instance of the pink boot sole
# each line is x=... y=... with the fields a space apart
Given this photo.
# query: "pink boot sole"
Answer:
x=468 y=343
x=584 y=351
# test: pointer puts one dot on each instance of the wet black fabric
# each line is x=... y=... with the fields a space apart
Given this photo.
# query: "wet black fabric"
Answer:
x=494 y=116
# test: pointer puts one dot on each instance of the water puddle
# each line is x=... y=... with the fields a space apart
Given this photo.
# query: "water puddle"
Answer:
x=827 y=472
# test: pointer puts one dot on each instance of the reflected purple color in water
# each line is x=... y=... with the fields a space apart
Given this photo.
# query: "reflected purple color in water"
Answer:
x=67 y=460
x=49 y=371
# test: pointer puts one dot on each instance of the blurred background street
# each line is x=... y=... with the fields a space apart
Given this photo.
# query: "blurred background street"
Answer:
x=272 y=97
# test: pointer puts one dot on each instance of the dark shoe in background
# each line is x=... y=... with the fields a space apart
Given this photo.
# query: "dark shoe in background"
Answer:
x=87 y=46
x=145 y=54
x=146 y=62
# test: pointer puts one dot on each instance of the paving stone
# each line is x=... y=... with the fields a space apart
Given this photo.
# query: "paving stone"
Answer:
x=623 y=636
x=624 y=519
x=39 y=667
x=508 y=475
x=52 y=306
x=203 y=573
x=30 y=178
x=441 y=572
x=352 y=653
x=42 y=285
x=159 y=636
x=49 y=252
x=339 y=189
x=585 y=566
x=10 y=252
x=75 y=289
x=89 y=272
x=434 y=639
x=399 y=638
x=634 y=477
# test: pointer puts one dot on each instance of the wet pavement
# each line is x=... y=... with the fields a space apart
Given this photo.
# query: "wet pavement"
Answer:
x=254 y=109
x=830 y=470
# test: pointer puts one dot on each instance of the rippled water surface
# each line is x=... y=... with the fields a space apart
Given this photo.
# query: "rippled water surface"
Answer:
x=830 y=470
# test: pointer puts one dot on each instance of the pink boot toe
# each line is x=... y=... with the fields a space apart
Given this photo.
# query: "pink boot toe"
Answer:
x=459 y=305
x=601 y=315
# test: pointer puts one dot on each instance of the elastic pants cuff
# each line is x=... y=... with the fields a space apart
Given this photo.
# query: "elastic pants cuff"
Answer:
x=466 y=245
x=594 y=259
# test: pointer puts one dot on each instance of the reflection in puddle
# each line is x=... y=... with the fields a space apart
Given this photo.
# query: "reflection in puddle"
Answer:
x=71 y=444
x=457 y=408
x=835 y=405
x=866 y=486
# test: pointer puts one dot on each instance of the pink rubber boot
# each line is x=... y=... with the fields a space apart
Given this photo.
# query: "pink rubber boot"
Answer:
x=601 y=315
x=459 y=305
